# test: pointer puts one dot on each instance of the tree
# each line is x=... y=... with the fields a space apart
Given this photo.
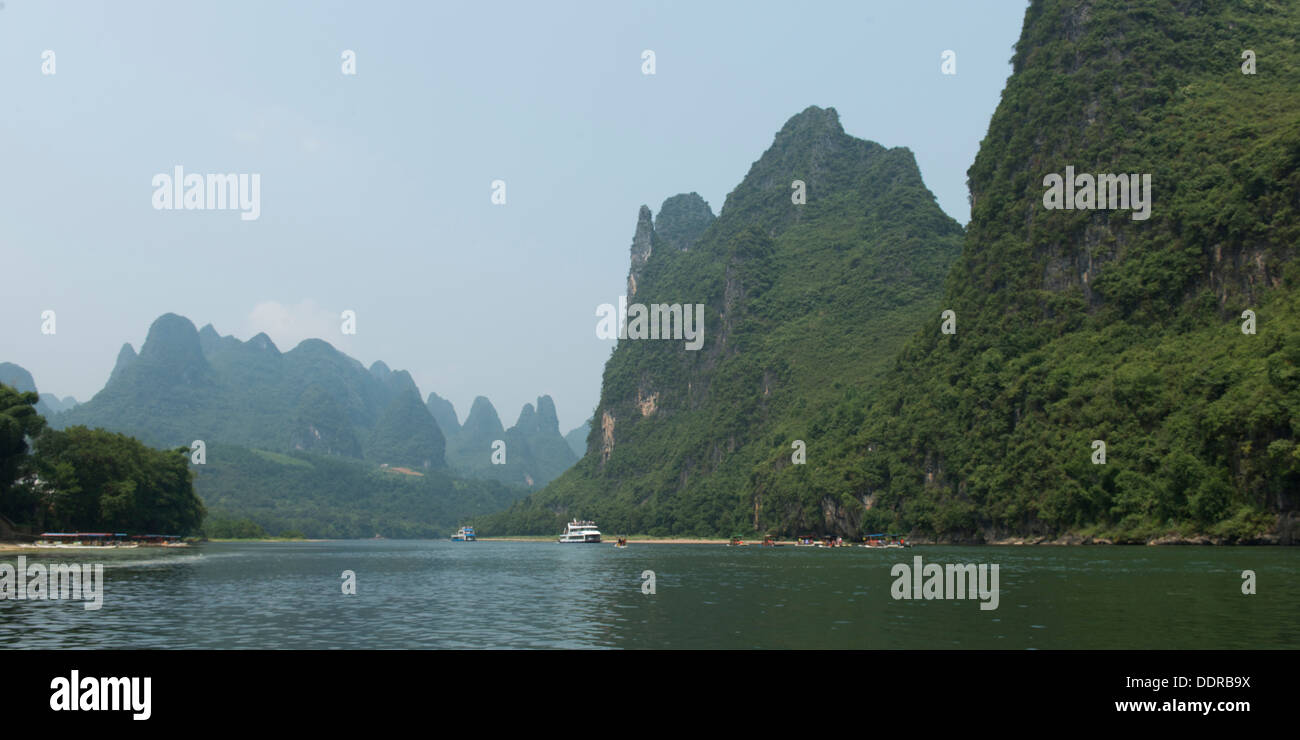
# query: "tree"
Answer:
x=19 y=422
x=97 y=479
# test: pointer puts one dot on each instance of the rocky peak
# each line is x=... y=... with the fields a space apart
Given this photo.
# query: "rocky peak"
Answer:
x=527 y=421
x=482 y=421
x=125 y=358
x=682 y=220
x=444 y=413
x=642 y=245
x=263 y=342
x=547 y=419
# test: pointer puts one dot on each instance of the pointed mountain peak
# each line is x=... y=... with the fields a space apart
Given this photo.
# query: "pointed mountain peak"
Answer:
x=209 y=340
x=813 y=121
x=546 y=416
x=811 y=143
x=527 y=416
x=682 y=220
x=263 y=342
x=644 y=219
x=212 y=342
x=641 y=240
x=125 y=358
x=811 y=156
x=380 y=370
x=482 y=420
x=444 y=413
x=642 y=246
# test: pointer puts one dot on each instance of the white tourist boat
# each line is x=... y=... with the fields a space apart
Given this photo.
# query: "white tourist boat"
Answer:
x=576 y=531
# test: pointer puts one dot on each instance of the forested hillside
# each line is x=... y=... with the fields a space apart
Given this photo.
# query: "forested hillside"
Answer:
x=803 y=303
x=1121 y=373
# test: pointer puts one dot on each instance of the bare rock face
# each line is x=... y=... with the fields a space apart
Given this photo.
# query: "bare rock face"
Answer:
x=681 y=222
x=642 y=246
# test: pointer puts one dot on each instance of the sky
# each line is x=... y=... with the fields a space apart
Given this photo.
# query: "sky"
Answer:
x=376 y=188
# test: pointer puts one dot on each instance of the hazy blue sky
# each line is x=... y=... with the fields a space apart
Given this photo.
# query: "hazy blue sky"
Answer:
x=375 y=188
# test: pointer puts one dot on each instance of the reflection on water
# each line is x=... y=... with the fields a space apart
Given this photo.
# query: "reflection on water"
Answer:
x=531 y=595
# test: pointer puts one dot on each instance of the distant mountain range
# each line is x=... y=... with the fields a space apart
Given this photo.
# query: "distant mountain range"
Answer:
x=533 y=450
x=313 y=401
x=187 y=384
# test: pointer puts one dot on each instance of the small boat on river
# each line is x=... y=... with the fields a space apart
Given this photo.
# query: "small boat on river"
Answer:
x=885 y=541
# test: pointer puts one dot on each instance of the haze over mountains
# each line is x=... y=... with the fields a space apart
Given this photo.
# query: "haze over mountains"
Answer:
x=534 y=452
x=310 y=441
x=191 y=384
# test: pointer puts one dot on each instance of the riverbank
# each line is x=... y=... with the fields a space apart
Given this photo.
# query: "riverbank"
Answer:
x=1072 y=539
x=26 y=546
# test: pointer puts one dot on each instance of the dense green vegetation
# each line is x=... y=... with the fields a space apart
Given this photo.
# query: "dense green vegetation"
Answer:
x=1072 y=325
x=802 y=303
x=1087 y=325
x=81 y=479
x=252 y=493
x=822 y=325
x=19 y=423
